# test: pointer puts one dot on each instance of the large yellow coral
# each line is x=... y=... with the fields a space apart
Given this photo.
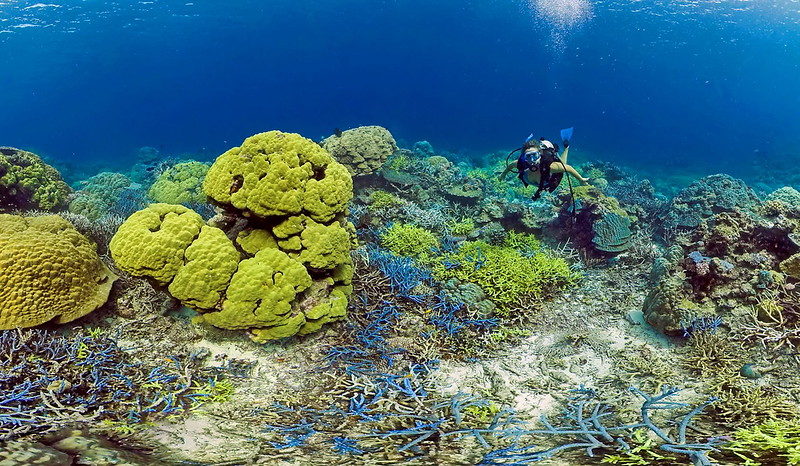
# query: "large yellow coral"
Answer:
x=153 y=241
x=277 y=174
x=48 y=271
x=286 y=268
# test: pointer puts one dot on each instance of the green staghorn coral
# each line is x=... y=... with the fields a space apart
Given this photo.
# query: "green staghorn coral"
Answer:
x=504 y=273
x=380 y=199
x=772 y=442
x=405 y=239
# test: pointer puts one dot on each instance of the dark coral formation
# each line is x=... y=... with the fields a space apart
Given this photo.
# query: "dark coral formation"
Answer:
x=362 y=150
x=26 y=182
x=722 y=265
x=708 y=196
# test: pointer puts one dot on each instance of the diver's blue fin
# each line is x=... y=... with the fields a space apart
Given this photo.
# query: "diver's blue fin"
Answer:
x=566 y=134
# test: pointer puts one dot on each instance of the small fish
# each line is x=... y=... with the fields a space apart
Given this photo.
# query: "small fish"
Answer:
x=337 y=132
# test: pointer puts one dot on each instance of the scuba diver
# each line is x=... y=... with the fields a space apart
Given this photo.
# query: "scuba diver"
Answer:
x=540 y=164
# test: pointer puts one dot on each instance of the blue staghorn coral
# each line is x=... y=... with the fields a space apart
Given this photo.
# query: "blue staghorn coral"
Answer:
x=48 y=381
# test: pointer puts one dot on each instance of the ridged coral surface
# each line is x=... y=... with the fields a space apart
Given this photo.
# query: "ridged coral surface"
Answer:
x=48 y=271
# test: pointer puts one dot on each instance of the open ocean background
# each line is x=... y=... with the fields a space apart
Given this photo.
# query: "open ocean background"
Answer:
x=681 y=88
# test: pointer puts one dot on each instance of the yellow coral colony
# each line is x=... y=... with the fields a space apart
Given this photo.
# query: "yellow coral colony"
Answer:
x=48 y=270
x=287 y=272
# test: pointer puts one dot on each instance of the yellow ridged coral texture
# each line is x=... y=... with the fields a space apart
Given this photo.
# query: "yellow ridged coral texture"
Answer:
x=48 y=270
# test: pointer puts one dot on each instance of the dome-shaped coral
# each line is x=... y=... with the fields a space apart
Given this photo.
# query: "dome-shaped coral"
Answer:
x=180 y=184
x=362 y=150
x=276 y=174
x=287 y=272
x=48 y=271
x=27 y=182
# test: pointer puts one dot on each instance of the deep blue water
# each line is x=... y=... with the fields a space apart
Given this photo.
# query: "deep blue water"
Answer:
x=670 y=86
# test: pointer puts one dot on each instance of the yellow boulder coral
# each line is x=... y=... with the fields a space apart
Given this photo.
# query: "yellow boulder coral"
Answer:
x=261 y=293
x=210 y=262
x=48 y=271
x=279 y=174
x=153 y=241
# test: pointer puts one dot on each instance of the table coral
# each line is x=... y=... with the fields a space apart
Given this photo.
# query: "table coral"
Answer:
x=48 y=271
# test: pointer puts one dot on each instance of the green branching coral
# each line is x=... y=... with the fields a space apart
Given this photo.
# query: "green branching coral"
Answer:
x=461 y=227
x=524 y=242
x=405 y=239
x=379 y=199
x=181 y=184
x=504 y=273
x=773 y=442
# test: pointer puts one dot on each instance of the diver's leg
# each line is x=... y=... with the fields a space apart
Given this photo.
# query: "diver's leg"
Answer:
x=564 y=155
x=573 y=172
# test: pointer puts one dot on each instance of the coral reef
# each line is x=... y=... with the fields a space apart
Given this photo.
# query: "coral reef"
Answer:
x=180 y=184
x=49 y=381
x=706 y=197
x=26 y=182
x=362 y=150
x=99 y=195
x=724 y=263
x=279 y=267
x=48 y=271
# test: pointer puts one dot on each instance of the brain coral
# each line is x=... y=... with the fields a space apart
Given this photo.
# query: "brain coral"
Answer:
x=289 y=269
x=362 y=150
x=48 y=271
x=276 y=174
x=27 y=182
x=180 y=184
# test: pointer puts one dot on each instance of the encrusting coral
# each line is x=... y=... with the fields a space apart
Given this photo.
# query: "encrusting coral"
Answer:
x=48 y=271
x=280 y=263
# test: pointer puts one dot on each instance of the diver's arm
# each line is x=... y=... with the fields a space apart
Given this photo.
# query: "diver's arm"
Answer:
x=508 y=169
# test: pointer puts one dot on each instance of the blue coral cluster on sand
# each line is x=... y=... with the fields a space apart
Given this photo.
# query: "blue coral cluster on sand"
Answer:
x=405 y=305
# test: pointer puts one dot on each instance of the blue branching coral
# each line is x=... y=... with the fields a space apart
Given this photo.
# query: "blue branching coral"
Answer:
x=48 y=381
x=588 y=425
